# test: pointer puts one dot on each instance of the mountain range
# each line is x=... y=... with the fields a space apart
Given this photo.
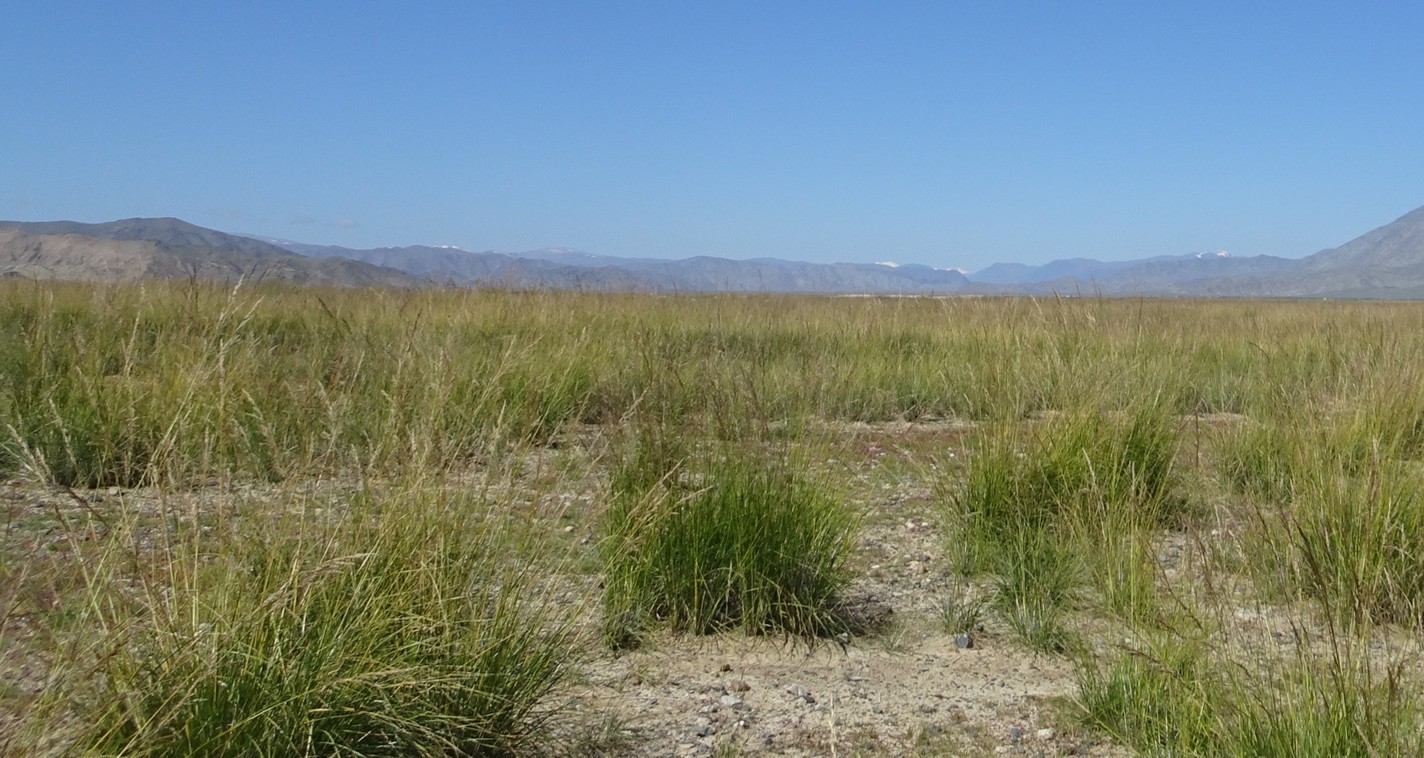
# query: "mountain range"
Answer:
x=1387 y=262
x=167 y=248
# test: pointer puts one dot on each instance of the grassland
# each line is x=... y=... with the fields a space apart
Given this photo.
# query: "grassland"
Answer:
x=284 y=521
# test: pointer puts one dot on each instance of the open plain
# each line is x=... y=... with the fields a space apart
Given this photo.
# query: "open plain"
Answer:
x=265 y=519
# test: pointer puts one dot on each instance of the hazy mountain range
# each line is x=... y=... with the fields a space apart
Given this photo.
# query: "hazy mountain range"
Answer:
x=1387 y=262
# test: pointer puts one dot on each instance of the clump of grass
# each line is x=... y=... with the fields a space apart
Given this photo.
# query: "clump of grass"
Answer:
x=1081 y=472
x=1035 y=588
x=961 y=611
x=1176 y=697
x=1158 y=698
x=1336 y=510
x=402 y=630
x=720 y=542
x=1074 y=499
x=1351 y=543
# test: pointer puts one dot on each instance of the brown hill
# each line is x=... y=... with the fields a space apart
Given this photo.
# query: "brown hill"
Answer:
x=172 y=250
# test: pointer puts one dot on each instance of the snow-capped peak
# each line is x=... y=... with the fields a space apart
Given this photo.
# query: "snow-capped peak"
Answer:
x=1217 y=254
x=891 y=264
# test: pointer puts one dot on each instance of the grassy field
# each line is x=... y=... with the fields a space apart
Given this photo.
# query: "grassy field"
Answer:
x=290 y=521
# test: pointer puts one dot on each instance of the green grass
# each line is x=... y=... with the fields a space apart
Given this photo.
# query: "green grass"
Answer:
x=1175 y=696
x=715 y=542
x=1073 y=500
x=402 y=628
x=1349 y=541
x=1100 y=433
x=1036 y=587
x=1335 y=511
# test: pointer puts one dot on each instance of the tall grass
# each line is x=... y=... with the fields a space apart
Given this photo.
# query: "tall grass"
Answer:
x=123 y=384
x=1336 y=507
x=1177 y=696
x=373 y=629
x=405 y=626
x=1073 y=497
x=712 y=542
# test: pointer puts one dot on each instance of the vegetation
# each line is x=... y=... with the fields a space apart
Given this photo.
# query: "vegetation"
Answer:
x=300 y=521
x=393 y=630
x=1175 y=696
x=730 y=541
x=1047 y=505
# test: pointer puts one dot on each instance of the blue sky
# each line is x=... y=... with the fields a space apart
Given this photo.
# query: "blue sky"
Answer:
x=951 y=134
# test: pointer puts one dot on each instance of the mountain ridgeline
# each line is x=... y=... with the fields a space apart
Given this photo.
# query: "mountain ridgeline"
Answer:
x=1387 y=262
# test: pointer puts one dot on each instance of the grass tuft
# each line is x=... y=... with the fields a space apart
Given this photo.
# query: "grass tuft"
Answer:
x=723 y=542
x=400 y=631
x=1175 y=697
x=1073 y=500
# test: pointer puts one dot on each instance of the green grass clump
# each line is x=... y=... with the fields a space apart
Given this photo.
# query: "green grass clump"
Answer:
x=1036 y=584
x=1070 y=474
x=1075 y=498
x=1175 y=697
x=1335 y=508
x=403 y=630
x=1350 y=542
x=1154 y=699
x=708 y=544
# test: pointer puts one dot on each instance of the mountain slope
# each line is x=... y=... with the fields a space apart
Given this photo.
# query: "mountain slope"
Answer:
x=1387 y=262
x=136 y=249
x=1396 y=245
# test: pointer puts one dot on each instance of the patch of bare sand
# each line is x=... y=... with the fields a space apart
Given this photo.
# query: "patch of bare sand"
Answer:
x=686 y=696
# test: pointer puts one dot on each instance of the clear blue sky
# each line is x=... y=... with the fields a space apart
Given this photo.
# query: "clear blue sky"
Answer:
x=946 y=133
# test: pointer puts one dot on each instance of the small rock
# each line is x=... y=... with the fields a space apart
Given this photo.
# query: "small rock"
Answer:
x=731 y=701
x=1044 y=734
x=1015 y=733
x=569 y=529
x=726 y=667
x=964 y=641
x=740 y=686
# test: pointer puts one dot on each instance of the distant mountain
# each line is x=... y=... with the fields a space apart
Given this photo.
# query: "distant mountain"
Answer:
x=572 y=269
x=167 y=248
x=1387 y=262
x=1394 y=246
x=1155 y=273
